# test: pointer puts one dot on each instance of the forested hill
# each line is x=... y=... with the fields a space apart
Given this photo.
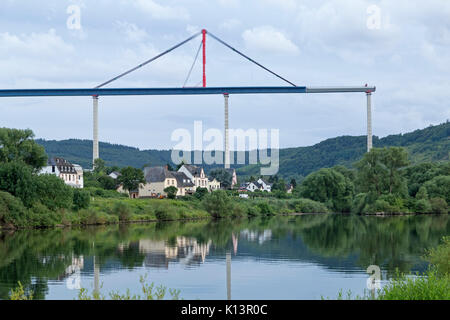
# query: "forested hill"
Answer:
x=429 y=144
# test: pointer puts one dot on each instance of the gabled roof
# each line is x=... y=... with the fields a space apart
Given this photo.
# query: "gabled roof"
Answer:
x=182 y=179
x=63 y=165
x=194 y=170
x=157 y=174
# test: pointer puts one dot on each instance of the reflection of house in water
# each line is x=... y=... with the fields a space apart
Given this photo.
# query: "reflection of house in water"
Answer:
x=261 y=237
x=187 y=251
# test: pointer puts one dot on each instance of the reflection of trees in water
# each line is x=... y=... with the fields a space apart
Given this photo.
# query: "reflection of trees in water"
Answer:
x=392 y=242
x=41 y=255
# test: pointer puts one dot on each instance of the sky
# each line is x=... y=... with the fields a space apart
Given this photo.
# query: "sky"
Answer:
x=402 y=47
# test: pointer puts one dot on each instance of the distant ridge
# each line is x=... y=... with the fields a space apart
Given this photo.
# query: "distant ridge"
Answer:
x=429 y=144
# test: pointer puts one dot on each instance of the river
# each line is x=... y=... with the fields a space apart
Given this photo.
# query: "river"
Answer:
x=296 y=257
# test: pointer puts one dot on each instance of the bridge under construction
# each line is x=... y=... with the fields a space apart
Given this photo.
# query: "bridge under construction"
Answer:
x=99 y=90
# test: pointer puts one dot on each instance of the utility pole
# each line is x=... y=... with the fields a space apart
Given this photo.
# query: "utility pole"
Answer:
x=95 y=154
x=227 y=151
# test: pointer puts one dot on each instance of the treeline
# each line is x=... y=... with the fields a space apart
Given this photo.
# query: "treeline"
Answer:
x=383 y=181
x=426 y=145
x=27 y=198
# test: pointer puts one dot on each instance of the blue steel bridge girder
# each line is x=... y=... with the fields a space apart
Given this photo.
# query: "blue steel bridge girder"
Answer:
x=175 y=91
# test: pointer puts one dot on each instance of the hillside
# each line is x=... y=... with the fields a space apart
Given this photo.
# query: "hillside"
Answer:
x=429 y=144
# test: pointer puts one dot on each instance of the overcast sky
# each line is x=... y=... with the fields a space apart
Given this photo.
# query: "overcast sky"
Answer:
x=405 y=53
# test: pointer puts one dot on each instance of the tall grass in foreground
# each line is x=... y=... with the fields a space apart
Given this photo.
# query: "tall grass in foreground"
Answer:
x=433 y=285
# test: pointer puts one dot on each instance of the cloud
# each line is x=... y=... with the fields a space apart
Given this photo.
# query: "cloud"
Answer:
x=230 y=24
x=268 y=39
x=37 y=44
x=132 y=31
x=162 y=12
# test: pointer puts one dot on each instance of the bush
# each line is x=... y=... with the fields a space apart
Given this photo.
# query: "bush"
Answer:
x=81 y=199
x=171 y=192
x=16 y=178
x=218 y=204
x=439 y=206
x=165 y=212
x=309 y=206
x=265 y=208
x=12 y=211
x=53 y=192
x=430 y=287
x=439 y=257
x=122 y=210
x=200 y=193
x=439 y=187
x=423 y=206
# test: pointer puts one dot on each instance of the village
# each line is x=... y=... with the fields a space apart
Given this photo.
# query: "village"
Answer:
x=186 y=179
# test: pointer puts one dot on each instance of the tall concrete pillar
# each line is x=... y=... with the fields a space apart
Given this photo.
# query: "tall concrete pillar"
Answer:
x=228 y=275
x=95 y=153
x=369 y=121
x=227 y=146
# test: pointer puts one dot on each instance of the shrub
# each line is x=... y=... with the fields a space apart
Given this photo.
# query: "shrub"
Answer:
x=265 y=208
x=122 y=210
x=53 y=192
x=41 y=216
x=12 y=210
x=200 y=193
x=171 y=192
x=431 y=287
x=439 y=205
x=423 y=206
x=16 y=178
x=81 y=199
x=218 y=204
x=439 y=187
x=439 y=257
x=165 y=212
x=310 y=206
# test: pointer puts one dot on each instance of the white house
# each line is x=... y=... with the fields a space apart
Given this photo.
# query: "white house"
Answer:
x=71 y=174
x=114 y=175
x=256 y=185
x=196 y=175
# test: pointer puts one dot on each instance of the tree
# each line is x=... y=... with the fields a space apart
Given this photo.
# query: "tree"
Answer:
x=169 y=167
x=200 y=193
x=372 y=174
x=171 y=192
x=99 y=166
x=439 y=187
x=107 y=182
x=330 y=187
x=81 y=199
x=379 y=171
x=131 y=178
x=53 y=192
x=293 y=183
x=18 y=145
x=395 y=158
x=218 y=204
x=279 y=185
x=223 y=176
x=17 y=179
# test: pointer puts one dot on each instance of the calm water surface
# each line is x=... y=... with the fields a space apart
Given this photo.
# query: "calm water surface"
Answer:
x=302 y=257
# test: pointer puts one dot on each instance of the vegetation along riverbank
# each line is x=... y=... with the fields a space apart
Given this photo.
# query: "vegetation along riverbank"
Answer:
x=382 y=181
